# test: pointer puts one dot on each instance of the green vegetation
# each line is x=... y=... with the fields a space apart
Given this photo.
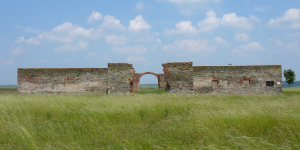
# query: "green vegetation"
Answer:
x=8 y=87
x=293 y=90
x=289 y=76
x=149 y=121
x=149 y=90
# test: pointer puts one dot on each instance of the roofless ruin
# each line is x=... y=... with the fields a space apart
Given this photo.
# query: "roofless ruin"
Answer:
x=178 y=77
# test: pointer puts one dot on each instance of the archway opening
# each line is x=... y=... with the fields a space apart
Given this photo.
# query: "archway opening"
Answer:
x=148 y=82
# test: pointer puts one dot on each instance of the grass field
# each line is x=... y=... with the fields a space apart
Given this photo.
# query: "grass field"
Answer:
x=8 y=88
x=150 y=121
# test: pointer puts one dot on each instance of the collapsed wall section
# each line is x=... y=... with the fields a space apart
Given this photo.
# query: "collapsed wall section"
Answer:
x=120 y=78
x=252 y=79
x=62 y=80
x=179 y=77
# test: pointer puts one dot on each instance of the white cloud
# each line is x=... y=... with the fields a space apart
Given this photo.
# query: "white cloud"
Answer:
x=111 y=22
x=114 y=39
x=262 y=8
x=232 y=20
x=135 y=58
x=133 y=49
x=65 y=33
x=138 y=24
x=277 y=42
x=219 y=40
x=95 y=16
x=29 y=41
x=8 y=62
x=19 y=39
x=33 y=41
x=212 y=22
x=188 y=46
x=81 y=45
x=289 y=20
x=252 y=46
x=241 y=37
x=184 y=27
x=28 y=29
x=16 y=50
x=141 y=6
x=293 y=46
x=158 y=41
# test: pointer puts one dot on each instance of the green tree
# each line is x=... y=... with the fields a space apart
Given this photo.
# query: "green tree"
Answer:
x=290 y=76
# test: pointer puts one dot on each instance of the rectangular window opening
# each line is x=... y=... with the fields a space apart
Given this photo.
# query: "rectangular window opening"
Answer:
x=270 y=83
x=214 y=82
x=246 y=82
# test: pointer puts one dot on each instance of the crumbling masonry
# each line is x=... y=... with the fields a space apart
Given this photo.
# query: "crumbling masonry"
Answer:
x=178 y=78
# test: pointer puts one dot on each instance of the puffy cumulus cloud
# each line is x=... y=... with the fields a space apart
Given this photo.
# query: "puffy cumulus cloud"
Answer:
x=289 y=20
x=65 y=33
x=81 y=45
x=191 y=1
x=188 y=46
x=16 y=50
x=138 y=24
x=212 y=22
x=95 y=16
x=252 y=46
x=135 y=58
x=114 y=39
x=33 y=41
x=133 y=49
x=184 y=27
x=232 y=20
x=29 y=41
x=141 y=6
x=111 y=22
x=219 y=40
x=241 y=37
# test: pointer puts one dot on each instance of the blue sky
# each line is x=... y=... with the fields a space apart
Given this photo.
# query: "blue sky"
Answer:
x=75 y=34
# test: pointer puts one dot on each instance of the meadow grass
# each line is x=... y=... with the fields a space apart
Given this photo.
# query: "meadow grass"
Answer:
x=149 y=121
x=8 y=88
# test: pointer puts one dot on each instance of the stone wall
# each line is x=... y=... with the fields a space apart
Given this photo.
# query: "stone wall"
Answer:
x=237 y=79
x=179 y=77
x=162 y=83
x=120 y=78
x=62 y=80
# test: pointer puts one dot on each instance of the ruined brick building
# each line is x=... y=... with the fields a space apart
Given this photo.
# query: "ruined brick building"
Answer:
x=178 y=77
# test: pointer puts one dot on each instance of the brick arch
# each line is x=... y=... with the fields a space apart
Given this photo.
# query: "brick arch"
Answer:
x=138 y=77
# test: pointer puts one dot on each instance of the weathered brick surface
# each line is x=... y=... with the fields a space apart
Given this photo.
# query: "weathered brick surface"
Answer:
x=62 y=80
x=237 y=79
x=120 y=78
x=179 y=77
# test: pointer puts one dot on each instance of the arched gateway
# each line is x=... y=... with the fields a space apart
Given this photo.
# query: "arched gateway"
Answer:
x=160 y=78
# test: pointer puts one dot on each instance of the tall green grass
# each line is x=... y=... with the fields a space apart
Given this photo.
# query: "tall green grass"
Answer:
x=149 y=121
x=8 y=88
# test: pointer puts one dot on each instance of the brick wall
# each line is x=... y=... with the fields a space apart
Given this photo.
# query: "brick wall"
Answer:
x=237 y=79
x=62 y=80
x=179 y=77
x=120 y=78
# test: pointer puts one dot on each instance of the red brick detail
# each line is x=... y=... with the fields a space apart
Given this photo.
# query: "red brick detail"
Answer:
x=246 y=78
